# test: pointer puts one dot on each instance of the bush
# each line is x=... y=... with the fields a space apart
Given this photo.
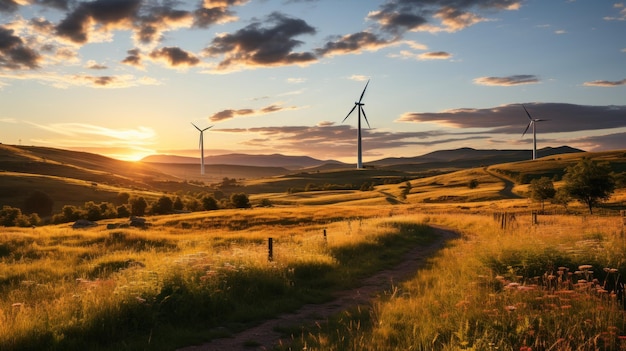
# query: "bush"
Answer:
x=163 y=205
x=240 y=200
x=209 y=203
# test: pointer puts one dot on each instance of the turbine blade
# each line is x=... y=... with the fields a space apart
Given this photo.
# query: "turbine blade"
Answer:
x=349 y=113
x=368 y=123
x=528 y=114
x=207 y=128
x=196 y=126
x=363 y=93
x=525 y=130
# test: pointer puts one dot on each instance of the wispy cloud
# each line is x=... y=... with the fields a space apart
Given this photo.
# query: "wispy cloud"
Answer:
x=518 y=79
x=605 y=83
x=247 y=112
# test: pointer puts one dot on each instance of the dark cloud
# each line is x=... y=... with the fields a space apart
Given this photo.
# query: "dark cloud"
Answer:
x=232 y=113
x=159 y=19
x=228 y=114
x=398 y=16
x=102 y=81
x=8 y=6
x=352 y=43
x=258 y=45
x=175 y=56
x=519 y=79
x=14 y=54
x=75 y=26
x=512 y=118
x=133 y=58
x=615 y=141
x=605 y=83
x=215 y=11
x=58 y=4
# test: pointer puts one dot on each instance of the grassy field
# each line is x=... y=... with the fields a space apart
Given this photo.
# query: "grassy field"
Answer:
x=191 y=277
x=551 y=286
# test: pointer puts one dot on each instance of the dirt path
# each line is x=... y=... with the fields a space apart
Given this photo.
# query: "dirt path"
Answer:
x=264 y=336
x=507 y=191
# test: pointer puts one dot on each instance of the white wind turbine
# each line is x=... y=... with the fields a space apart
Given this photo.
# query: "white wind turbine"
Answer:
x=201 y=146
x=532 y=122
x=359 y=105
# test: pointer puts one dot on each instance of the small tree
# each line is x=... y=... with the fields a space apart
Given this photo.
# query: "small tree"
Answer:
x=542 y=189
x=240 y=200
x=589 y=182
x=472 y=184
x=163 y=205
x=138 y=206
x=209 y=203
x=406 y=190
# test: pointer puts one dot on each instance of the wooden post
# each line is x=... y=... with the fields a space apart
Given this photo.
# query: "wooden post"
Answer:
x=270 y=249
x=534 y=217
x=324 y=235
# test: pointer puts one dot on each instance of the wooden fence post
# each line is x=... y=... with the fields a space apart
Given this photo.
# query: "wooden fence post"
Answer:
x=270 y=249
x=534 y=217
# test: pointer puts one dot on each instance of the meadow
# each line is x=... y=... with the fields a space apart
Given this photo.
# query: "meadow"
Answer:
x=187 y=278
x=551 y=286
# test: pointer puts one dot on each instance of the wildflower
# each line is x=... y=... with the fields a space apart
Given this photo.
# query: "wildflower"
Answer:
x=17 y=305
x=140 y=299
x=510 y=308
x=585 y=267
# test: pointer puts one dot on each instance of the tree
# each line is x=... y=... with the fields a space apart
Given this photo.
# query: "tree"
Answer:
x=163 y=205
x=542 y=189
x=209 y=203
x=138 y=206
x=589 y=182
x=472 y=184
x=178 y=204
x=240 y=200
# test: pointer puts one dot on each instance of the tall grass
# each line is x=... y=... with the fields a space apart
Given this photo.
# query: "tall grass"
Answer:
x=187 y=278
x=546 y=287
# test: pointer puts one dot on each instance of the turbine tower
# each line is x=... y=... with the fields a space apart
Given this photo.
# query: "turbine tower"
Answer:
x=532 y=122
x=201 y=146
x=359 y=106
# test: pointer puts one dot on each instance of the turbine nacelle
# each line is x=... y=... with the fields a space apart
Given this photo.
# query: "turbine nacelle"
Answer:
x=532 y=123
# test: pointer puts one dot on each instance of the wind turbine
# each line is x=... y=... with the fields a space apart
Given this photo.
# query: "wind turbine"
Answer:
x=532 y=122
x=359 y=106
x=201 y=146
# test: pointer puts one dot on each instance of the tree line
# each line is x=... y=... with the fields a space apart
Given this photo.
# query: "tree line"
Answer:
x=40 y=204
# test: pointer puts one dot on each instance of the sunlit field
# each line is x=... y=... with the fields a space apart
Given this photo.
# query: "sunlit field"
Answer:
x=186 y=278
x=551 y=286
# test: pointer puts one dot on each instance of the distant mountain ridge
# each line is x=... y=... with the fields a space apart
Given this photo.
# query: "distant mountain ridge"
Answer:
x=463 y=155
x=235 y=159
x=466 y=154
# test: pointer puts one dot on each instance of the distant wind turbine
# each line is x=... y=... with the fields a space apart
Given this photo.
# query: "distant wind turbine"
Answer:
x=532 y=122
x=201 y=146
x=359 y=106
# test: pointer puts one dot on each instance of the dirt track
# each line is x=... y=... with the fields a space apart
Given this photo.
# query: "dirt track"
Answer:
x=264 y=335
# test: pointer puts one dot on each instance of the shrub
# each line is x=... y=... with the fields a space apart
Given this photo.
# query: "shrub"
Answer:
x=240 y=200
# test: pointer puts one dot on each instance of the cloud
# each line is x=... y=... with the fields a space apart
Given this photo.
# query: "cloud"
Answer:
x=91 y=64
x=81 y=134
x=65 y=81
x=519 y=79
x=229 y=114
x=399 y=16
x=215 y=11
x=333 y=140
x=14 y=54
x=621 y=15
x=353 y=43
x=232 y=113
x=257 y=45
x=133 y=58
x=437 y=55
x=511 y=119
x=160 y=19
x=605 y=83
x=89 y=17
x=614 y=141
x=174 y=57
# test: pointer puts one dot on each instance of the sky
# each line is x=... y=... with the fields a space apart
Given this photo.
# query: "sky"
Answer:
x=127 y=78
